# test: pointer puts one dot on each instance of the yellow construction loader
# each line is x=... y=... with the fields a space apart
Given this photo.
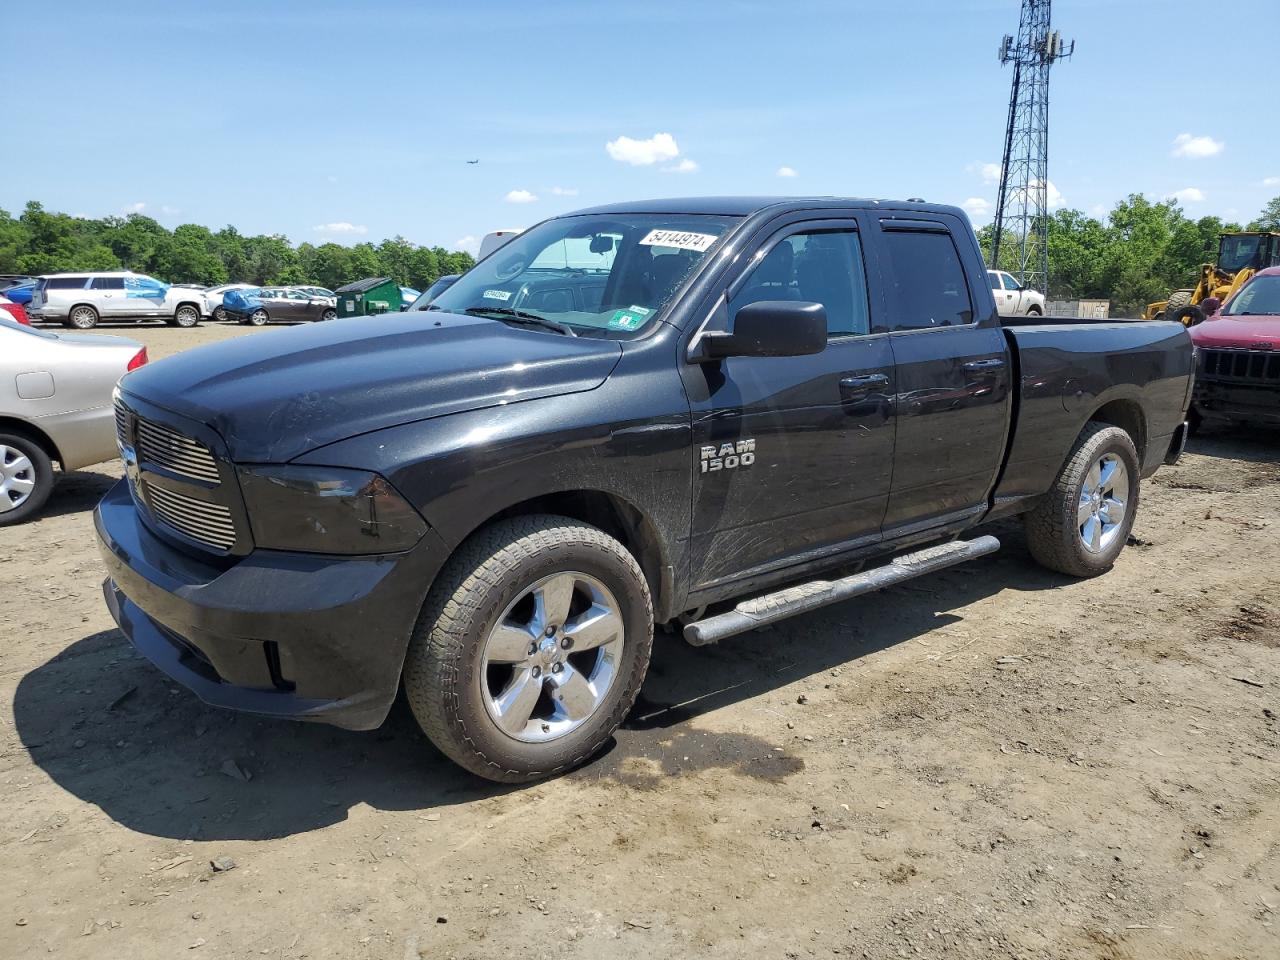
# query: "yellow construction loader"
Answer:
x=1240 y=256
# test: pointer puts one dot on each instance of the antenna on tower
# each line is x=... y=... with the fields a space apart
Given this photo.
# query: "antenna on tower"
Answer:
x=1022 y=207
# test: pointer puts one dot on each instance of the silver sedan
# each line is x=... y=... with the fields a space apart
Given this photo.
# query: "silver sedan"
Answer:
x=55 y=405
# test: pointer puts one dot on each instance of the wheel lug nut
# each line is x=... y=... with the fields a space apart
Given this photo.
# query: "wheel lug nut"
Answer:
x=551 y=631
x=533 y=648
x=567 y=643
x=557 y=667
x=537 y=672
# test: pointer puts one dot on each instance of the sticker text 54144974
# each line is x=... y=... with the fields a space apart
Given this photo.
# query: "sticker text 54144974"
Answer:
x=679 y=240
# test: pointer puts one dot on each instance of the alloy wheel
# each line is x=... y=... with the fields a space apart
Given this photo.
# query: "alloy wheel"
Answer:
x=1103 y=502
x=552 y=658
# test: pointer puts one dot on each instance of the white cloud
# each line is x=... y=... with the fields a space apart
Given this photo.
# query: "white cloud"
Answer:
x=1187 y=195
x=171 y=211
x=340 y=227
x=990 y=172
x=684 y=166
x=1053 y=197
x=1185 y=145
x=564 y=191
x=976 y=207
x=1271 y=182
x=787 y=172
x=643 y=153
x=135 y=207
x=469 y=243
x=521 y=196
x=1099 y=211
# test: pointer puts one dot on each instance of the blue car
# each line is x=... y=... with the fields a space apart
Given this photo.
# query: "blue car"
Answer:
x=21 y=293
x=244 y=306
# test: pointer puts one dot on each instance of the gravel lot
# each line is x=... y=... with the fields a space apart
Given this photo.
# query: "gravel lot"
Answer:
x=996 y=762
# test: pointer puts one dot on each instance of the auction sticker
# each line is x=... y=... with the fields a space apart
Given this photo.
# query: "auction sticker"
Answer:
x=503 y=295
x=679 y=240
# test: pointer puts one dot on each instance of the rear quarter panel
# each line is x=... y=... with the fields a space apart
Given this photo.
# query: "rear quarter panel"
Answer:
x=1068 y=372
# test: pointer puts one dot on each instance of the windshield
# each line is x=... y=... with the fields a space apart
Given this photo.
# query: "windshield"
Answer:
x=1238 y=252
x=1261 y=295
x=599 y=275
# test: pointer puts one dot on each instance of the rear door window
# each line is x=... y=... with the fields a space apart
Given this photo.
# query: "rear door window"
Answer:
x=928 y=287
x=107 y=283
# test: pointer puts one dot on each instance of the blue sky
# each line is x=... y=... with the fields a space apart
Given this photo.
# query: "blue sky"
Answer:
x=327 y=120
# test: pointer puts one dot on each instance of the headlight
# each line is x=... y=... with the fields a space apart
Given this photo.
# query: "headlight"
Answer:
x=327 y=510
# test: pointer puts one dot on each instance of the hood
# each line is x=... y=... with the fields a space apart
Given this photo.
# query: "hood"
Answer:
x=276 y=395
x=1255 y=331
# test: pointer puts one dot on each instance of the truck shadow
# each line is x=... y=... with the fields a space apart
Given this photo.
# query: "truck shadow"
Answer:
x=106 y=726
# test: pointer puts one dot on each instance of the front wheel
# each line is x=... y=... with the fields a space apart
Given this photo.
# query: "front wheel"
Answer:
x=186 y=316
x=530 y=648
x=1081 y=525
x=329 y=314
x=1034 y=311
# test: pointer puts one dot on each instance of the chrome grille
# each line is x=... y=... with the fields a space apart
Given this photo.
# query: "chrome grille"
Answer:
x=208 y=523
x=171 y=450
x=122 y=425
x=1241 y=366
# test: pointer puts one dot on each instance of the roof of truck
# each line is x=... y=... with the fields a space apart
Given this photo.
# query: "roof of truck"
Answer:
x=745 y=206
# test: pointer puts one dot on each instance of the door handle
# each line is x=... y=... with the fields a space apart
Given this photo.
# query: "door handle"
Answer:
x=980 y=366
x=854 y=387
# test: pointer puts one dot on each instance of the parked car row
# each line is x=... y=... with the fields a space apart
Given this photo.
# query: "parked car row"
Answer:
x=258 y=306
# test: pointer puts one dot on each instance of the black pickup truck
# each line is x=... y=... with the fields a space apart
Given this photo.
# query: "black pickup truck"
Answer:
x=637 y=413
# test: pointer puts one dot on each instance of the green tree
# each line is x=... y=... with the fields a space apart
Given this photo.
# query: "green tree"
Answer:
x=1269 y=218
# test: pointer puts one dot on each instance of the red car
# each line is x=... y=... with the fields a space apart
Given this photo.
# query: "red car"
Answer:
x=1238 y=370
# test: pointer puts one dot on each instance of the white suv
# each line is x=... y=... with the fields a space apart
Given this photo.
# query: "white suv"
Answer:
x=1012 y=298
x=81 y=300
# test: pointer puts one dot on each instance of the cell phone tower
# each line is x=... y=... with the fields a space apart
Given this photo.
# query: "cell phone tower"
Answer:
x=1020 y=243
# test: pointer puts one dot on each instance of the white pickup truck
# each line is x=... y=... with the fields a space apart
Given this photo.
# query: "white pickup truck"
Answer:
x=1012 y=298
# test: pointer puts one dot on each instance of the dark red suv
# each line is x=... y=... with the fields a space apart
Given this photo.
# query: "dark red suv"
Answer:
x=1238 y=372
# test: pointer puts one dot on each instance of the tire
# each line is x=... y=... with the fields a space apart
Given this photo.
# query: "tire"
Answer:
x=220 y=314
x=487 y=595
x=258 y=318
x=1178 y=300
x=1187 y=316
x=186 y=316
x=26 y=478
x=1057 y=529
x=329 y=314
x=82 y=317
x=1034 y=311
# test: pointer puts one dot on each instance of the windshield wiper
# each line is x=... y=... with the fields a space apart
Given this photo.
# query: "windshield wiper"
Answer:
x=520 y=316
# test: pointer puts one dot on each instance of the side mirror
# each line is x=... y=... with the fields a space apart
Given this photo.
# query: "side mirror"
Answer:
x=770 y=328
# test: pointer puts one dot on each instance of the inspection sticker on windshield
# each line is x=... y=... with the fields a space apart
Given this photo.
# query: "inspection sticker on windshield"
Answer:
x=679 y=240
x=632 y=318
x=503 y=295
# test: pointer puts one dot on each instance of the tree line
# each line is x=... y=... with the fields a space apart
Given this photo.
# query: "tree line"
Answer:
x=39 y=241
x=1143 y=251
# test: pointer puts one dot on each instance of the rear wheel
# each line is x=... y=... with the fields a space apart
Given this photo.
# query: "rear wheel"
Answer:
x=258 y=318
x=1034 y=311
x=1082 y=523
x=329 y=314
x=220 y=314
x=82 y=317
x=186 y=316
x=530 y=648
x=26 y=478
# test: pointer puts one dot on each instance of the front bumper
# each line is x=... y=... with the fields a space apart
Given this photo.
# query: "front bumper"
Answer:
x=1242 y=403
x=303 y=636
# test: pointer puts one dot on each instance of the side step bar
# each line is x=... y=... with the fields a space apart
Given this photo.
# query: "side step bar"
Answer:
x=772 y=607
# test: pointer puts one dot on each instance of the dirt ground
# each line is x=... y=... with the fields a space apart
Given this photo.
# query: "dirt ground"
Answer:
x=997 y=762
